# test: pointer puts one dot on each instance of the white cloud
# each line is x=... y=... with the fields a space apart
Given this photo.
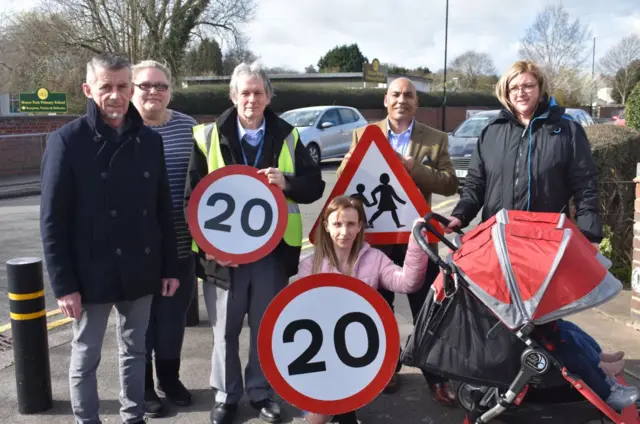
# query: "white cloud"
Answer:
x=411 y=33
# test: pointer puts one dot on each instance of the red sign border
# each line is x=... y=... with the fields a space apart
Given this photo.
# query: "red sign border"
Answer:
x=373 y=135
x=284 y=389
x=198 y=235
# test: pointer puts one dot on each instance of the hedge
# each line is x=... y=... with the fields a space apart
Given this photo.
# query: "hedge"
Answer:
x=616 y=151
x=213 y=100
x=633 y=108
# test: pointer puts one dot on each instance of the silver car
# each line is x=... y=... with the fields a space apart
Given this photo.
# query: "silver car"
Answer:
x=326 y=131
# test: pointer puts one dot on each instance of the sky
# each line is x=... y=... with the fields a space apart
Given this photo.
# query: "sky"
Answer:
x=411 y=33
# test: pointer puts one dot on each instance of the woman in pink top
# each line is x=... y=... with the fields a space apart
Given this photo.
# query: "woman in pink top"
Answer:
x=340 y=248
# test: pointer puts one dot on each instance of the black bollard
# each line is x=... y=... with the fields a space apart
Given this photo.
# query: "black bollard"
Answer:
x=29 y=331
x=193 y=314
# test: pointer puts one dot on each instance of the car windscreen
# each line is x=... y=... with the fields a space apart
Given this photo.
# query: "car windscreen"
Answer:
x=301 y=118
x=472 y=127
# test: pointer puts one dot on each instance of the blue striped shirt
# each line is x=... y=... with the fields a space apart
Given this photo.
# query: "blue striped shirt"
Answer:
x=177 y=137
x=400 y=142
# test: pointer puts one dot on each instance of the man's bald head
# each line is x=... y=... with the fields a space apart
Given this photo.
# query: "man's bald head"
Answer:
x=401 y=84
x=401 y=100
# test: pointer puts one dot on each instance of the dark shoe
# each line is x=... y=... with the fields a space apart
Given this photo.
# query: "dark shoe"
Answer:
x=223 y=413
x=443 y=394
x=348 y=418
x=269 y=410
x=153 y=406
x=169 y=383
x=392 y=385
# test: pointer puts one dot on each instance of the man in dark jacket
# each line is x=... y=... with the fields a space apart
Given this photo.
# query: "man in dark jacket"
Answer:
x=249 y=134
x=107 y=233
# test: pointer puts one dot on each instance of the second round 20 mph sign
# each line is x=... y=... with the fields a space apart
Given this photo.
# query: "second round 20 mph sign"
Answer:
x=235 y=215
x=328 y=343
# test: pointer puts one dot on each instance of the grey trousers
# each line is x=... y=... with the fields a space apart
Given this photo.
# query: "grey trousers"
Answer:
x=253 y=286
x=88 y=334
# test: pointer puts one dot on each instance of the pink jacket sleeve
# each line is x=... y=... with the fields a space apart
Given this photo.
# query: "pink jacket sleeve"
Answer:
x=305 y=267
x=409 y=278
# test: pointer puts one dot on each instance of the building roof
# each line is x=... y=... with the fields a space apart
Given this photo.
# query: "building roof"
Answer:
x=318 y=75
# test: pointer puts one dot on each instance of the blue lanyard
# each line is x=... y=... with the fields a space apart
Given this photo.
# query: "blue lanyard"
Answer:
x=258 y=153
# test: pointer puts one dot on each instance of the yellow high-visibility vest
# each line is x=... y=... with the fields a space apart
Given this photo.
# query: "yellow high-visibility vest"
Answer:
x=208 y=141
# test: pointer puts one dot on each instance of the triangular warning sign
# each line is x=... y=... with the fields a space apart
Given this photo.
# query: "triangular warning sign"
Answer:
x=392 y=201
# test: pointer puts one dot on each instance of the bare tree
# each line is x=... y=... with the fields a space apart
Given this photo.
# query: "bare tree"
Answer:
x=32 y=56
x=237 y=54
x=555 y=41
x=142 y=29
x=621 y=65
x=470 y=66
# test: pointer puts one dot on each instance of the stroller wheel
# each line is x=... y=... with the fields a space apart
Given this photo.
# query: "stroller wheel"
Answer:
x=469 y=397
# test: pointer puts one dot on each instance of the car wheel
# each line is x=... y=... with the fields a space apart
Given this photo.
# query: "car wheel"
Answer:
x=314 y=152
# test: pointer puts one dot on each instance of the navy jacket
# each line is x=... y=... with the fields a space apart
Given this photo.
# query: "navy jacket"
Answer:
x=538 y=168
x=105 y=212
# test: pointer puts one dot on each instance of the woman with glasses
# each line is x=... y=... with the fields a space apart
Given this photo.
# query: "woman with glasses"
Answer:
x=167 y=322
x=531 y=157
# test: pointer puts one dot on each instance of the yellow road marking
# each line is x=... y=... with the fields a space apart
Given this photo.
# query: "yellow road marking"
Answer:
x=54 y=312
x=5 y=327
x=443 y=204
x=58 y=323
x=26 y=296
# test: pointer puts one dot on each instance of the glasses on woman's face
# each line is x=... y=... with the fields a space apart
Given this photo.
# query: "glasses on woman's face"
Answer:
x=147 y=86
x=526 y=87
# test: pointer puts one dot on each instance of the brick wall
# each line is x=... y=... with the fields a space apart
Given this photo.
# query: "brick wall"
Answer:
x=635 y=277
x=21 y=154
x=32 y=124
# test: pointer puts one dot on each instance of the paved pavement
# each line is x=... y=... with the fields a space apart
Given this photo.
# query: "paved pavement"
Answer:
x=610 y=325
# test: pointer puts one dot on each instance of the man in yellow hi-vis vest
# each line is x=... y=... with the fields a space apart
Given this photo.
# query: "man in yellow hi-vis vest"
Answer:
x=251 y=134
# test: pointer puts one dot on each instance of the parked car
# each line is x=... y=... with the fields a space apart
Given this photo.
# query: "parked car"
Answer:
x=620 y=119
x=580 y=116
x=326 y=131
x=463 y=140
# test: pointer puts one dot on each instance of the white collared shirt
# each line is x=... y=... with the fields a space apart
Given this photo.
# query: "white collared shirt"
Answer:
x=253 y=137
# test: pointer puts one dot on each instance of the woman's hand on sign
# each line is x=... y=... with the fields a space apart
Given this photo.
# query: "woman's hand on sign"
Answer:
x=221 y=263
x=275 y=177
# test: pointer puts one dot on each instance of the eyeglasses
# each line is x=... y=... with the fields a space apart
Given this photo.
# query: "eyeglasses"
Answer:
x=147 y=86
x=524 y=87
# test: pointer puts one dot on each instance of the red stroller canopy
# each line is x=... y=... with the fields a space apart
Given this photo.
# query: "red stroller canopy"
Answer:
x=532 y=267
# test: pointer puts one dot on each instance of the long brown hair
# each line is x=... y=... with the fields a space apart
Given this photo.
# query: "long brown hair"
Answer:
x=324 y=245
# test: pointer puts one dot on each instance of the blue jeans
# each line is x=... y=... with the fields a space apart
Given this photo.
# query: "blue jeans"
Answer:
x=580 y=353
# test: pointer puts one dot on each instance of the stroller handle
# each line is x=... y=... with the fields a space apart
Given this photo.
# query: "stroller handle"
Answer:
x=424 y=244
x=444 y=221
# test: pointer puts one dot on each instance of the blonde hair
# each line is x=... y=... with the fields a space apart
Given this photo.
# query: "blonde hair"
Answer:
x=146 y=64
x=517 y=69
x=324 y=245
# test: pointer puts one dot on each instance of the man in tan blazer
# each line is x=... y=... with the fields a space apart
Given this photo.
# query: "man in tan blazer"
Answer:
x=424 y=153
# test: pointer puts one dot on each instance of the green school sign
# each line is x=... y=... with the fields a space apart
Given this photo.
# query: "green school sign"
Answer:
x=43 y=101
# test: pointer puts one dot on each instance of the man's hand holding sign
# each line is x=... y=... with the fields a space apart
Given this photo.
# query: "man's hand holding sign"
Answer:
x=238 y=214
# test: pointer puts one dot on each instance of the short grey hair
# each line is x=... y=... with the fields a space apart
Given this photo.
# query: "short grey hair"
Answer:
x=108 y=62
x=255 y=70
x=146 y=64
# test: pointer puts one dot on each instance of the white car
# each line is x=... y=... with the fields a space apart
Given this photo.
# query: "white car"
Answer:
x=326 y=131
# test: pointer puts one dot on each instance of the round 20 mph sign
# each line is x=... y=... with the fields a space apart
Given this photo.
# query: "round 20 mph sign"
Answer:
x=328 y=343
x=235 y=215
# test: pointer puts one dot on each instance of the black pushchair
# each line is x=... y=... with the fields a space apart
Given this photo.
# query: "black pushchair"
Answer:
x=481 y=324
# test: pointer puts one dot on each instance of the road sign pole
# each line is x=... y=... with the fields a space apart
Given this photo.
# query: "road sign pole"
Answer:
x=29 y=330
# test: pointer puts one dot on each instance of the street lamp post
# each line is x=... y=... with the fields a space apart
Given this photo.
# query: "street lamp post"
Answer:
x=444 y=94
